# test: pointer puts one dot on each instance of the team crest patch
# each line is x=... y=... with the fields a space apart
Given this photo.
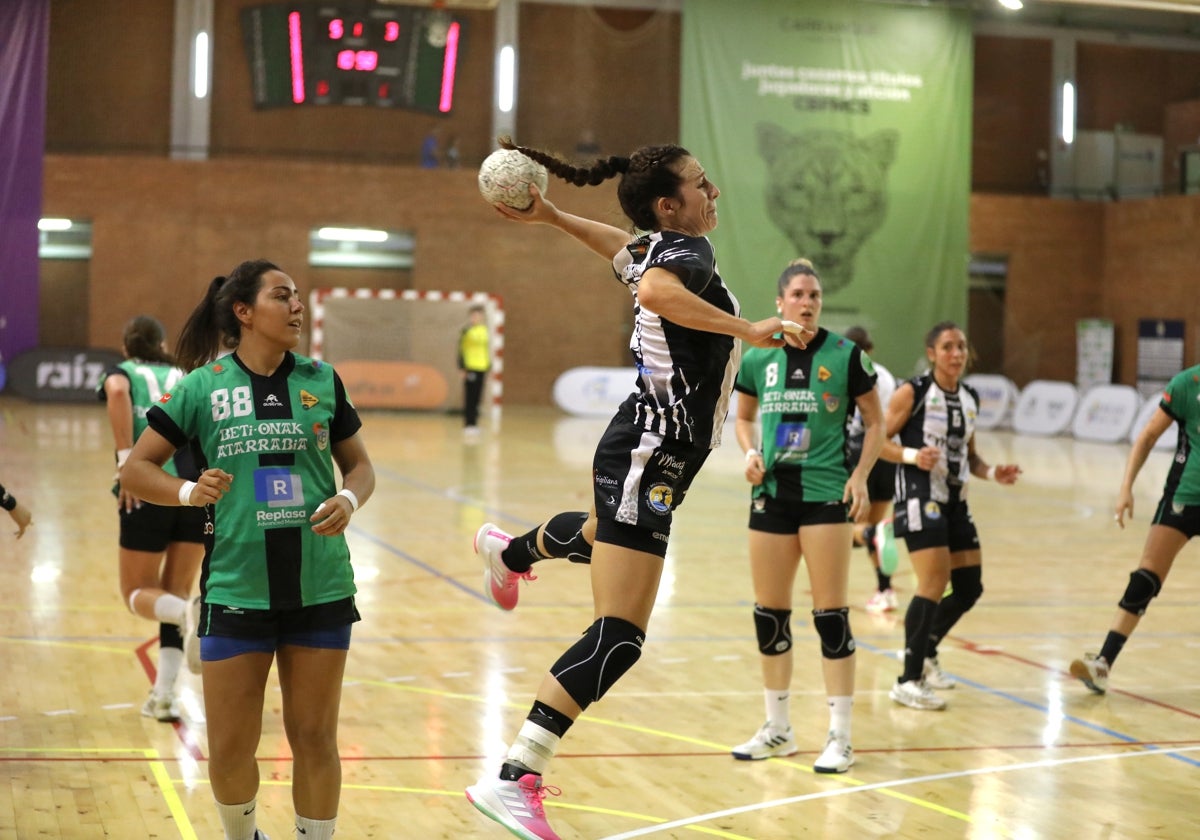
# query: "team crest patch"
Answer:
x=933 y=510
x=658 y=497
x=218 y=368
x=322 y=436
x=823 y=373
x=307 y=400
x=1176 y=508
x=165 y=398
x=832 y=401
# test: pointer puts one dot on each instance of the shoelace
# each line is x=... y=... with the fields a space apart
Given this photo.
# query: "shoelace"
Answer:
x=526 y=575
x=536 y=793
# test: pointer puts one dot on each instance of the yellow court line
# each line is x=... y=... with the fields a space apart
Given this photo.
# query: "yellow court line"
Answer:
x=72 y=645
x=687 y=739
x=174 y=803
x=590 y=809
x=157 y=768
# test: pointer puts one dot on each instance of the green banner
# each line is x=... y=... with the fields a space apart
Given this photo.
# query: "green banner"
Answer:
x=839 y=131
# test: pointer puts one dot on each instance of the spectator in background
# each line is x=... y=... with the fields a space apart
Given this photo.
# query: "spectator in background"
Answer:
x=452 y=155
x=431 y=149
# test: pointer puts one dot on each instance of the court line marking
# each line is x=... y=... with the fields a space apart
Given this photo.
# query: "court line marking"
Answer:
x=883 y=786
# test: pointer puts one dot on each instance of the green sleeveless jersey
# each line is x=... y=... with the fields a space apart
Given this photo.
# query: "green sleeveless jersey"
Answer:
x=273 y=435
x=1181 y=400
x=148 y=381
x=804 y=398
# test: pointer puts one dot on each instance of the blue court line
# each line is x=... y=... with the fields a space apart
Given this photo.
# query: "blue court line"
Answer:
x=1044 y=709
x=444 y=493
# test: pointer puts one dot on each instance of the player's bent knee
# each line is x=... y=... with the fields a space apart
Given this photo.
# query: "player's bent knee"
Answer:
x=1143 y=586
x=774 y=630
x=607 y=649
x=833 y=626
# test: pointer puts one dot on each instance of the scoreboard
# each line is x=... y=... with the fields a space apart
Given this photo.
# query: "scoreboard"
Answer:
x=352 y=53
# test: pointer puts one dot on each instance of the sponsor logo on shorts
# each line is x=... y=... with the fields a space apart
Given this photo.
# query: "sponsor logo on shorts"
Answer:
x=656 y=535
x=601 y=480
x=933 y=510
x=759 y=505
x=658 y=498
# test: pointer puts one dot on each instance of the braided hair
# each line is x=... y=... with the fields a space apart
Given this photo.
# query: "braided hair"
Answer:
x=646 y=176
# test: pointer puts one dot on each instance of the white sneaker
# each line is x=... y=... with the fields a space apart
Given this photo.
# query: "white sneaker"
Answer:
x=916 y=695
x=515 y=805
x=1093 y=671
x=500 y=583
x=838 y=756
x=882 y=601
x=191 y=639
x=766 y=743
x=161 y=707
x=934 y=676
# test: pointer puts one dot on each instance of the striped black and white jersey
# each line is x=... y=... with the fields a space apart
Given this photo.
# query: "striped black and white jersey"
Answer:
x=685 y=376
x=945 y=419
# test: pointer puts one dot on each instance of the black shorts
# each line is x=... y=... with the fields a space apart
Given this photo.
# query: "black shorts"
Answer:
x=638 y=479
x=881 y=482
x=925 y=523
x=238 y=623
x=775 y=516
x=154 y=527
x=1183 y=518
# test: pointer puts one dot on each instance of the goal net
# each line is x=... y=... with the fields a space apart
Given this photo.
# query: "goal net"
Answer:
x=399 y=349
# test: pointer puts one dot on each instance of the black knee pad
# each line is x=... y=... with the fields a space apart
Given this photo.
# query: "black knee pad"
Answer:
x=608 y=649
x=774 y=630
x=1143 y=586
x=967 y=584
x=563 y=537
x=833 y=626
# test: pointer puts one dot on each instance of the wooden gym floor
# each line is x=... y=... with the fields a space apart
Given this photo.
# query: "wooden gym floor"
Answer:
x=438 y=680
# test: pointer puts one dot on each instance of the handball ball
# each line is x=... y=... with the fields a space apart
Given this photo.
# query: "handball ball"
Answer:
x=505 y=176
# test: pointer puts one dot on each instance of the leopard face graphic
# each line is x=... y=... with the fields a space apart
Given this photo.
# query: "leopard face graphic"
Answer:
x=827 y=193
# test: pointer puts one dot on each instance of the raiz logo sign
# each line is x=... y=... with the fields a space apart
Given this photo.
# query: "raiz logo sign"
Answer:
x=60 y=374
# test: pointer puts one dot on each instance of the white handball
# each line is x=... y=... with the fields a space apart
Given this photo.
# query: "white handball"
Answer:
x=505 y=176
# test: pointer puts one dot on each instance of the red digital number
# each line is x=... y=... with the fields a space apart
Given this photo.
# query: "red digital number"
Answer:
x=358 y=29
x=336 y=29
x=364 y=60
x=391 y=31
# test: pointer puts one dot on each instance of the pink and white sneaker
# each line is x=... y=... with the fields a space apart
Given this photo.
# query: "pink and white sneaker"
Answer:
x=499 y=581
x=515 y=805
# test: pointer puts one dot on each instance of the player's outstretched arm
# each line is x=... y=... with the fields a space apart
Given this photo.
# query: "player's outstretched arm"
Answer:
x=603 y=239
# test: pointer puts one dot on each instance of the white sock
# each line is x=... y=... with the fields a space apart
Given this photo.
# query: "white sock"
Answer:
x=777 y=702
x=170 y=609
x=238 y=820
x=534 y=747
x=839 y=714
x=315 y=829
x=169 y=660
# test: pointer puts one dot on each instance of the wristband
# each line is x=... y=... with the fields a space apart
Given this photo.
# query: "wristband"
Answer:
x=123 y=456
x=185 y=493
x=990 y=475
x=349 y=494
x=750 y=453
x=909 y=456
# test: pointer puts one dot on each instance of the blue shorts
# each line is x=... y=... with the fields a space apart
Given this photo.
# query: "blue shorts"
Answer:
x=226 y=632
